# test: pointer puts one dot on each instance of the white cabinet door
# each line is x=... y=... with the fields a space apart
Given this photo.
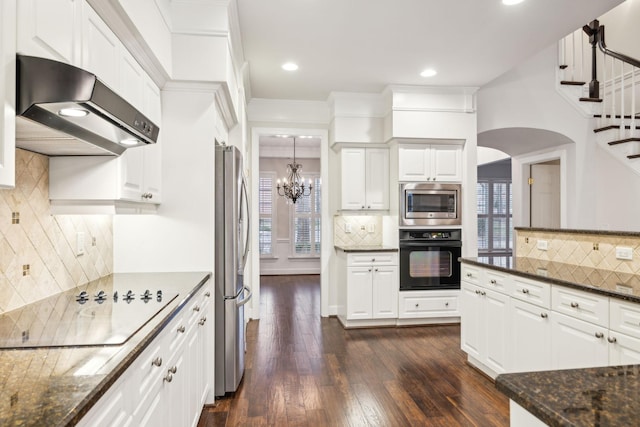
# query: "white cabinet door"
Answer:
x=385 y=290
x=576 y=343
x=414 y=163
x=7 y=93
x=446 y=163
x=471 y=339
x=359 y=293
x=623 y=349
x=49 y=29
x=353 y=164
x=132 y=80
x=530 y=337
x=132 y=174
x=496 y=329
x=100 y=48
x=377 y=178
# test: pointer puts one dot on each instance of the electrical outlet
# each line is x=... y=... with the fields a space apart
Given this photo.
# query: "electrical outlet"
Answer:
x=362 y=227
x=93 y=241
x=347 y=228
x=371 y=228
x=623 y=252
x=542 y=245
x=80 y=243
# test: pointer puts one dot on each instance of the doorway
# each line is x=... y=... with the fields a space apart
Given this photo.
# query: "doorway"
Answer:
x=545 y=195
x=291 y=243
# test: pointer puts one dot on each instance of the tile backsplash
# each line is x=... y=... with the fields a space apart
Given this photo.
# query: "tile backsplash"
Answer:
x=37 y=250
x=365 y=230
x=595 y=250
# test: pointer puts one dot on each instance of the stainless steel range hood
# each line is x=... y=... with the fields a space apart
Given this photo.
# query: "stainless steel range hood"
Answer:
x=62 y=110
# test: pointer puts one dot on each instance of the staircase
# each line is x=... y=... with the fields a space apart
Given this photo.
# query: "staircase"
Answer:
x=602 y=84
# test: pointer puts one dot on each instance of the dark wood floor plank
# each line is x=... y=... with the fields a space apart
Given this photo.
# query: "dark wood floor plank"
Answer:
x=304 y=370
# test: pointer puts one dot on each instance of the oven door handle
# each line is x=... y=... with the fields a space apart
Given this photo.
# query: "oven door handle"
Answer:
x=430 y=244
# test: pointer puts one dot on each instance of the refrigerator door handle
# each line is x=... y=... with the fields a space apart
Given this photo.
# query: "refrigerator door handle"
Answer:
x=245 y=195
x=247 y=298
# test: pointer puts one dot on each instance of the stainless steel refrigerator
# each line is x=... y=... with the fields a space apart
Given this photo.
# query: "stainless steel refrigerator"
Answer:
x=231 y=248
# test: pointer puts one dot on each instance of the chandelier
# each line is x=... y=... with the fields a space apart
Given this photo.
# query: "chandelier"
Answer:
x=293 y=186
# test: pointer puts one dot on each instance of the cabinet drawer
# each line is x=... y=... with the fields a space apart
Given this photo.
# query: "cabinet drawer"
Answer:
x=470 y=273
x=373 y=258
x=625 y=317
x=581 y=305
x=532 y=291
x=499 y=282
x=429 y=306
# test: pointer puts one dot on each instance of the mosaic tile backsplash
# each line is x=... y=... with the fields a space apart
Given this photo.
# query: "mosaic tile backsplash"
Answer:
x=365 y=230
x=584 y=249
x=38 y=250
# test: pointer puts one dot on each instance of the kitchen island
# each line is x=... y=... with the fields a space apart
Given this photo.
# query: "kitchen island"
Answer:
x=59 y=385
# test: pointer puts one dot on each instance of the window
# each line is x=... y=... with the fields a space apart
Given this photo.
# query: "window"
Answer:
x=495 y=225
x=266 y=207
x=306 y=222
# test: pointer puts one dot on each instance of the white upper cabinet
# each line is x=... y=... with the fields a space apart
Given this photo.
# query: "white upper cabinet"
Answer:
x=7 y=93
x=101 y=49
x=429 y=162
x=365 y=178
x=50 y=29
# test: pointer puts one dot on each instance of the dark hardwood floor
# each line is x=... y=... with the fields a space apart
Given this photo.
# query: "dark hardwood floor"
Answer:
x=304 y=370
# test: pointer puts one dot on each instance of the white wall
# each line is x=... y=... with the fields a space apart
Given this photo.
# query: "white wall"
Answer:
x=525 y=97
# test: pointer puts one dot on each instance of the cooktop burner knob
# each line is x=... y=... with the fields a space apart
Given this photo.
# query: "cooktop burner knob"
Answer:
x=146 y=296
x=159 y=296
x=129 y=296
x=115 y=296
x=100 y=297
x=83 y=297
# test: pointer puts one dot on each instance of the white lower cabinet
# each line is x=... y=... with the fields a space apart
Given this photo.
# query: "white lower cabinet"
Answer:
x=421 y=307
x=167 y=384
x=577 y=344
x=544 y=326
x=369 y=290
x=485 y=327
x=530 y=337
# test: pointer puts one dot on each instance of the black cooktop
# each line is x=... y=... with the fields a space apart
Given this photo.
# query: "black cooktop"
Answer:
x=91 y=315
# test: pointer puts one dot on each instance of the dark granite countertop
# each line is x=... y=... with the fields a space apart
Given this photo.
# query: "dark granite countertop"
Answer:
x=371 y=248
x=57 y=386
x=605 y=282
x=607 y=396
x=577 y=231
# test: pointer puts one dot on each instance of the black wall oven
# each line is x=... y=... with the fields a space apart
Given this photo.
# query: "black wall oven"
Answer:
x=429 y=259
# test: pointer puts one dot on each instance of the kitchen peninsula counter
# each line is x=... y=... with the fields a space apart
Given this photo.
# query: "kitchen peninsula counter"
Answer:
x=607 y=396
x=368 y=248
x=58 y=386
x=619 y=285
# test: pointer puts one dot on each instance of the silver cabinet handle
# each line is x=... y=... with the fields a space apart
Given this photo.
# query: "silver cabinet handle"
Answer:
x=599 y=335
x=544 y=315
x=612 y=340
x=477 y=292
x=574 y=305
x=469 y=274
x=157 y=361
x=446 y=304
x=362 y=206
x=201 y=322
x=168 y=378
x=369 y=270
x=181 y=329
x=417 y=305
x=375 y=269
x=369 y=207
x=196 y=308
x=483 y=293
x=493 y=281
x=525 y=290
x=373 y=260
x=173 y=369
x=207 y=294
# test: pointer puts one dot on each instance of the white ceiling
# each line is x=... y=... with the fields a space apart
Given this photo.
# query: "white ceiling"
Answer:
x=365 y=45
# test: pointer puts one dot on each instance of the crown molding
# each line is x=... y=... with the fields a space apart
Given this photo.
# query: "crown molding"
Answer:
x=221 y=93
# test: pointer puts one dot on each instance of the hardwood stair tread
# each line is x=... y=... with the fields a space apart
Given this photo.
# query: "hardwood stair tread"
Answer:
x=572 y=83
x=617 y=116
x=610 y=127
x=633 y=156
x=591 y=99
x=622 y=141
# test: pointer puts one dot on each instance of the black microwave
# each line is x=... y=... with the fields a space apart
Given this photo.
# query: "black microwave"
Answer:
x=430 y=204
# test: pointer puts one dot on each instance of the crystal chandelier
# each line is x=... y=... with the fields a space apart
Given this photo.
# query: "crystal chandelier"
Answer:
x=293 y=186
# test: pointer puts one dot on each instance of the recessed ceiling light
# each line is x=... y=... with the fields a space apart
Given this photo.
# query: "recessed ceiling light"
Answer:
x=73 y=112
x=430 y=72
x=511 y=2
x=290 y=66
